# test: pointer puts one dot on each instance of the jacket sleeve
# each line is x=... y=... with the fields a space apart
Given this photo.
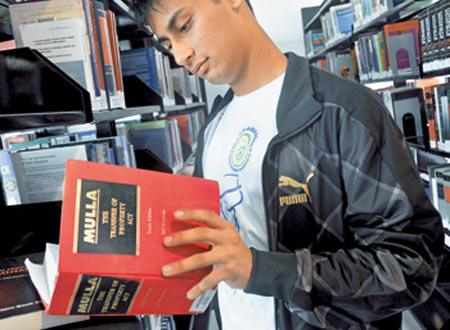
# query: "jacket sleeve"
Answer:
x=395 y=246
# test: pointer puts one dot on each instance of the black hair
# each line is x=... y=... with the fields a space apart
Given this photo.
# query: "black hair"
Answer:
x=143 y=7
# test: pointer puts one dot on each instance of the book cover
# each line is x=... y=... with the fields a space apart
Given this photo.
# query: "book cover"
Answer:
x=402 y=41
x=114 y=216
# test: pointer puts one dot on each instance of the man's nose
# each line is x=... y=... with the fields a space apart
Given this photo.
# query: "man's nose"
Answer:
x=183 y=54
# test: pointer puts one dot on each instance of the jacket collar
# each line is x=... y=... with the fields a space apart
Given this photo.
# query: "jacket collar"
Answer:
x=297 y=104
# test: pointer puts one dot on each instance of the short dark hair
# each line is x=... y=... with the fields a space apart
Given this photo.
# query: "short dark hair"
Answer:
x=142 y=8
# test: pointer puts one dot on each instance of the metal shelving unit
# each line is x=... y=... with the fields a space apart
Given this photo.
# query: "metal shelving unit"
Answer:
x=387 y=79
x=179 y=108
x=110 y=115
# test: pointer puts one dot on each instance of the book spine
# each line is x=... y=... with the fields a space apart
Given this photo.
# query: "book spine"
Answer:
x=114 y=44
x=97 y=65
x=102 y=30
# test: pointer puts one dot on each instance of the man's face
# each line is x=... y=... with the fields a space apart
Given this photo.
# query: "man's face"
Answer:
x=201 y=36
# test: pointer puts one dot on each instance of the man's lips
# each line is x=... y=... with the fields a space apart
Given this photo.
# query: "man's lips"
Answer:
x=197 y=68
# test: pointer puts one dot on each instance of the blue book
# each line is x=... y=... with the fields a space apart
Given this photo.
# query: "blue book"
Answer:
x=157 y=140
x=345 y=18
x=141 y=63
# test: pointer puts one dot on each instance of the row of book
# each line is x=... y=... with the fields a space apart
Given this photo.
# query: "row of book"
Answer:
x=391 y=53
x=368 y=10
x=422 y=112
x=33 y=162
x=435 y=37
x=314 y=42
x=337 y=22
x=341 y=20
x=439 y=181
x=84 y=44
x=161 y=75
x=80 y=37
x=439 y=118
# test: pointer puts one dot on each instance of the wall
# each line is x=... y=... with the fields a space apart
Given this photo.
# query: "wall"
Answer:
x=281 y=20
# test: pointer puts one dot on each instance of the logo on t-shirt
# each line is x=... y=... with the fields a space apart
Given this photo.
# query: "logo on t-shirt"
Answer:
x=233 y=195
x=242 y=148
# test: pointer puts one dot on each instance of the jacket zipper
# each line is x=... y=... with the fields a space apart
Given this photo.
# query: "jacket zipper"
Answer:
x=272 y=142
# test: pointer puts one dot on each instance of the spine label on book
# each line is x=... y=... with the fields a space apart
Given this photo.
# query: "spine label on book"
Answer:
x=103 y=295
x=107 y=218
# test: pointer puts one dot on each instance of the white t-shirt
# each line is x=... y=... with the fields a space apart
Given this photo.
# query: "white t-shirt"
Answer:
x=233 y=156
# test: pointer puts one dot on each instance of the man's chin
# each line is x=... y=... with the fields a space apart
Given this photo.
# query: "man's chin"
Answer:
x=214 y=80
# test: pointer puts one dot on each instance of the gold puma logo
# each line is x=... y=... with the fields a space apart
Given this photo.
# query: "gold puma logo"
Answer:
x=285 y=181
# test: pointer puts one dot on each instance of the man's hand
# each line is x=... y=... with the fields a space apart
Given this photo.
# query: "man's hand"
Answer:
x=230 y=257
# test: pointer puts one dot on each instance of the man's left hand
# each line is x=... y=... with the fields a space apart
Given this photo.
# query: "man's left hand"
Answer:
x=230 y=257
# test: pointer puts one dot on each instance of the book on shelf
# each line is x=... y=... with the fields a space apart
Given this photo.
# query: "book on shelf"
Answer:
x=110 y=55
x=402 y=44
x=342 y=63
x=161 y=137
x=314 y=41
x=368 y=10
x=406 y=106
x=83 y=43
x=371 y=58
x=342 y=19
x=33 y=23
x=435 y=37
x=429 y=86
x=440 y=185
x=20 y=305
x=101 y=98
x=181 y=84
x=189 y=125
x=114 y=216
x=141 y=62
x=37 y=175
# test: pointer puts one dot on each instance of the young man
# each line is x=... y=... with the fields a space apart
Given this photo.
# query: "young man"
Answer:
x=324 y=221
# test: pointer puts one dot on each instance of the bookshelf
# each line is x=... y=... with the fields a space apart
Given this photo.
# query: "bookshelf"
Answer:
x=436 y=312
x=27 y=227
x=388 y=16
x=108 y=116
x=320 y=10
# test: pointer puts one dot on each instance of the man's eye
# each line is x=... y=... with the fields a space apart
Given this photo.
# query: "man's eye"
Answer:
x=185 y=27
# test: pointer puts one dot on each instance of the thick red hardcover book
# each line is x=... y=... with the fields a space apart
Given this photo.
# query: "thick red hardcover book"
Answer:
x=111 y=241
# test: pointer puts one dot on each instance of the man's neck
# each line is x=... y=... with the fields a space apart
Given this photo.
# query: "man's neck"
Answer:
x=265 y=63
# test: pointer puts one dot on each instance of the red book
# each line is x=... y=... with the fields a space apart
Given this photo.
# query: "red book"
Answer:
x=111 y=251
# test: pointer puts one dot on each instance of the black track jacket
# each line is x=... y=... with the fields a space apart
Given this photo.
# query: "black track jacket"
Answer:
x=353 y=237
